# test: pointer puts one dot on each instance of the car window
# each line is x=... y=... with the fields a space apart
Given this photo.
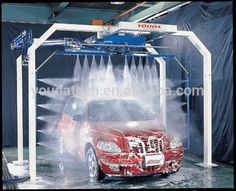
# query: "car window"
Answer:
x=74 y=107
x=118 y=110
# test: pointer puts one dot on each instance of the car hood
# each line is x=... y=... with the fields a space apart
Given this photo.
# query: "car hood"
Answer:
x=129 y=128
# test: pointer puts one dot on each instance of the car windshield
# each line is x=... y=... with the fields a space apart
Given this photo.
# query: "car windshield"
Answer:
x=118 y=110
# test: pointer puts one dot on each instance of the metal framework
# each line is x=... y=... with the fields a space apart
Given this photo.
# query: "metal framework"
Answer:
x=121 y=28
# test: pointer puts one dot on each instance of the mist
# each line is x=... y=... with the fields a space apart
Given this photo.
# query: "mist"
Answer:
x=101 y=78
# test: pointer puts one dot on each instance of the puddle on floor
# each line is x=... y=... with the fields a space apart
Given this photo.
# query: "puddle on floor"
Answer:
x=74 y=175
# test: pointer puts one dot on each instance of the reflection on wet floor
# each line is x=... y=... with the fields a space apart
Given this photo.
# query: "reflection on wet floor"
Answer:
x=72 y=174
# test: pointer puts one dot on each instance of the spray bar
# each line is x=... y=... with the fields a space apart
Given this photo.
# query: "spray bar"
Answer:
x=83 y=53
x=63 y=43
x=151 y=55
x=110 y=54
x=123 y=45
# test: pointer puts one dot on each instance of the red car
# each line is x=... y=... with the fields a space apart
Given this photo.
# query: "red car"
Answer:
x=118 y=137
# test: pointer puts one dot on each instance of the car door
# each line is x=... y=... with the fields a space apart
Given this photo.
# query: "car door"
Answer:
x=68 y=124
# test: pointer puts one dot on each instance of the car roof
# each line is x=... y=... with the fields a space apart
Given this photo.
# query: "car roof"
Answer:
x=112 y=99
x=105 y=98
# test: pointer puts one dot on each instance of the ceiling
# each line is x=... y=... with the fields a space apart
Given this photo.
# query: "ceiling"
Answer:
x=85 y=12
x=103 y=5
x=127 y=8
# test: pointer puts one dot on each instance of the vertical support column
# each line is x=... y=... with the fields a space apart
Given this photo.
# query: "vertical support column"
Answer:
x=188 y=112
x=207 y=110
x=162 y=75
x=32 y=114
x=19 y=110
x=32 y=99
x=162 y=90
x=207 y=107
x=32 y=85
x=207 y=113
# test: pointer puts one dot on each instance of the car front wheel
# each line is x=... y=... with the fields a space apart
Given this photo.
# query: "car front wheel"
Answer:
x=94 y=170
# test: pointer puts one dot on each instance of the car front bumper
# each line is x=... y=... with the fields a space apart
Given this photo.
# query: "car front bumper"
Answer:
x=132 y=164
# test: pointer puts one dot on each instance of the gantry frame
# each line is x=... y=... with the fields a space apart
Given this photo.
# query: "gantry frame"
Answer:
x=121 y=27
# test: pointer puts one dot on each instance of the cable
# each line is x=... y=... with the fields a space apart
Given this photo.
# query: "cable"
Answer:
x=7 y=178
x=15 y=180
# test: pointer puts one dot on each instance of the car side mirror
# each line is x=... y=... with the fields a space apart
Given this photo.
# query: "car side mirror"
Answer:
x=77 y=117
x=156 y=115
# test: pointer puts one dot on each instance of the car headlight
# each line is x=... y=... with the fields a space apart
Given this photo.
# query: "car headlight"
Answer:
x=175 y=143
x=108 y=146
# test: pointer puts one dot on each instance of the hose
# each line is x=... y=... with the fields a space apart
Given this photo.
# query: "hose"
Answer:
x=15 y=180
x=7 y=178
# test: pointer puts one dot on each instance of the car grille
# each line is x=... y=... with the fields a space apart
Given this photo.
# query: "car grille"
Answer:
x=143 y=144
x=151 y=168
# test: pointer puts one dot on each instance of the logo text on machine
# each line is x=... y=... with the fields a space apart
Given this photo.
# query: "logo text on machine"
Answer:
x=149 y=26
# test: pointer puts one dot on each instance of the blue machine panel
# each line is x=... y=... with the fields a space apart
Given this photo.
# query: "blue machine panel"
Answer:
x=128 y=40
x=23 y=42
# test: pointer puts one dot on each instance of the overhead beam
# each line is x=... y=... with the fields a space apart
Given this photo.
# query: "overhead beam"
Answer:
x=155 y=9
x=146 y=5
x=57 y=8
x=167 y=11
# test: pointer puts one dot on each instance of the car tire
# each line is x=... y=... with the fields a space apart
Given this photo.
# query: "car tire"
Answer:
x=94 y=170
x=172 y=172
x=165 y=175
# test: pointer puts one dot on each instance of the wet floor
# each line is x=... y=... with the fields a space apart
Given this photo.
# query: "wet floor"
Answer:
x=72 y=174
